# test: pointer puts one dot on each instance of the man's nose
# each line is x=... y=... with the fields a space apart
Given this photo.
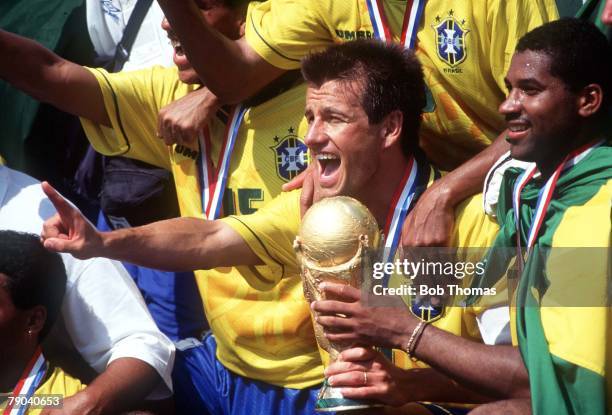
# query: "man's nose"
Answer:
x=315 y=136
x=165 y=24
x=511 y=104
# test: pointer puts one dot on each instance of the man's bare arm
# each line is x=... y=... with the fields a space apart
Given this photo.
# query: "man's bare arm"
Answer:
x=181 y=121
x=232 y=70
x=390 y=384
x=431 y=221
x=38 y=72
x=123 y=386
x=181 y=244
x=495 y=371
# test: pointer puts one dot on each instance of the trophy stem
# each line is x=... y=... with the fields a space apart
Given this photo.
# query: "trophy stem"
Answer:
x=331 y=400
x=336 y=239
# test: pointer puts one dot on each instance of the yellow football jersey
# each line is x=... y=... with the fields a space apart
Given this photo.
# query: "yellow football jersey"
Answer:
x=56 y=383
x=272 y=239
x=465 y=49
x=574 y=306
x=266 y=336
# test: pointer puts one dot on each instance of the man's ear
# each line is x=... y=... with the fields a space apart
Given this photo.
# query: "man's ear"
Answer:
x=36 y=318
x=392 y=128
x=589 y=100
x=240 y=17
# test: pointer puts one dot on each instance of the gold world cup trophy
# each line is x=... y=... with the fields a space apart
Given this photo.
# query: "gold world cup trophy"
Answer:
x=337 y=241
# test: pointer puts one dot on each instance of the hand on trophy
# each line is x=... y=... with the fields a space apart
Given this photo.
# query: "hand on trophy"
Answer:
x=364 y=373
x=336 y=243
x=362 y=324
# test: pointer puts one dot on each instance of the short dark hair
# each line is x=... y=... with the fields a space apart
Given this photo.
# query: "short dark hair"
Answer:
x=391 y=79
x=230 y=4
x=580 y=54
x=35 y=276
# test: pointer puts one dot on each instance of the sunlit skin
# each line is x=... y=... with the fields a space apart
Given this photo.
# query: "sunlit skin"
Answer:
x=344 y=146
x=606 y=16
x=541 y=112
x=18 y=337
x=226 y=20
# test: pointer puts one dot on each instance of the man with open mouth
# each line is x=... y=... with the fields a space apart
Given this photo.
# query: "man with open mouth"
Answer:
x=363 y=107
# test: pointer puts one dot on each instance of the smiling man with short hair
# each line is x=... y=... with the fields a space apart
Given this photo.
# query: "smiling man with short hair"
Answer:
x=558 y=94
x=363 y=108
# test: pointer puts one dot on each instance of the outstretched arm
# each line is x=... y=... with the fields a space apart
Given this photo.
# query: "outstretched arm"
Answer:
x=38 y=72
x=232 y=70
x=180 y=244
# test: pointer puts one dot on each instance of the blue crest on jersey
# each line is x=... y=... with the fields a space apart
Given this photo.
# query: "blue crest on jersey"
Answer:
x=426 y=311
x=291 y=156
x=450 y=41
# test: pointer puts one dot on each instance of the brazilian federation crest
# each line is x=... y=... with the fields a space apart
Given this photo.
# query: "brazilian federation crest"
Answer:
x=291 y=155
x=450 y=39
x=425 y=311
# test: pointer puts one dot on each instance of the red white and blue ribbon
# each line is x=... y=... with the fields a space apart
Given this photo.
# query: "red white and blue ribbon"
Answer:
x=213 y=181
x=410 y=26
x=29 y=381
x=400 y=205
x=545 y=194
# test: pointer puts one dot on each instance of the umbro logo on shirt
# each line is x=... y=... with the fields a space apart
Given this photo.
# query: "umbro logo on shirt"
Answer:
x=186 y=151
x=354 y=34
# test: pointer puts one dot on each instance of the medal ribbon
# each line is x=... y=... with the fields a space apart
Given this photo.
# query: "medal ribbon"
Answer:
x=213 y=181
x=400 y=205
x=410 y=26
x=29 y=381
x=545 y=194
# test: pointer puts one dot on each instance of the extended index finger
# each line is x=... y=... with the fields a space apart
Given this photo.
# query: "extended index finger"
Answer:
x=63 y=207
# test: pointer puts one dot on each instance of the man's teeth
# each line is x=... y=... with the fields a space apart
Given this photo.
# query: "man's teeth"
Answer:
x=517 y=128
x=326 y=157
x=177 y=46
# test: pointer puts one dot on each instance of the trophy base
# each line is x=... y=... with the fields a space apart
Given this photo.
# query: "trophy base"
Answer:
x=331 y=400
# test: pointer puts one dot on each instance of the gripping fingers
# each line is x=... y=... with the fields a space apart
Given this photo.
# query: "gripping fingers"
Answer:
x=355 y=378
x=332 y=307
x=343 y=367
x=358 y=354
x=297 y=181
x=341 y=291
x=334 y=324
